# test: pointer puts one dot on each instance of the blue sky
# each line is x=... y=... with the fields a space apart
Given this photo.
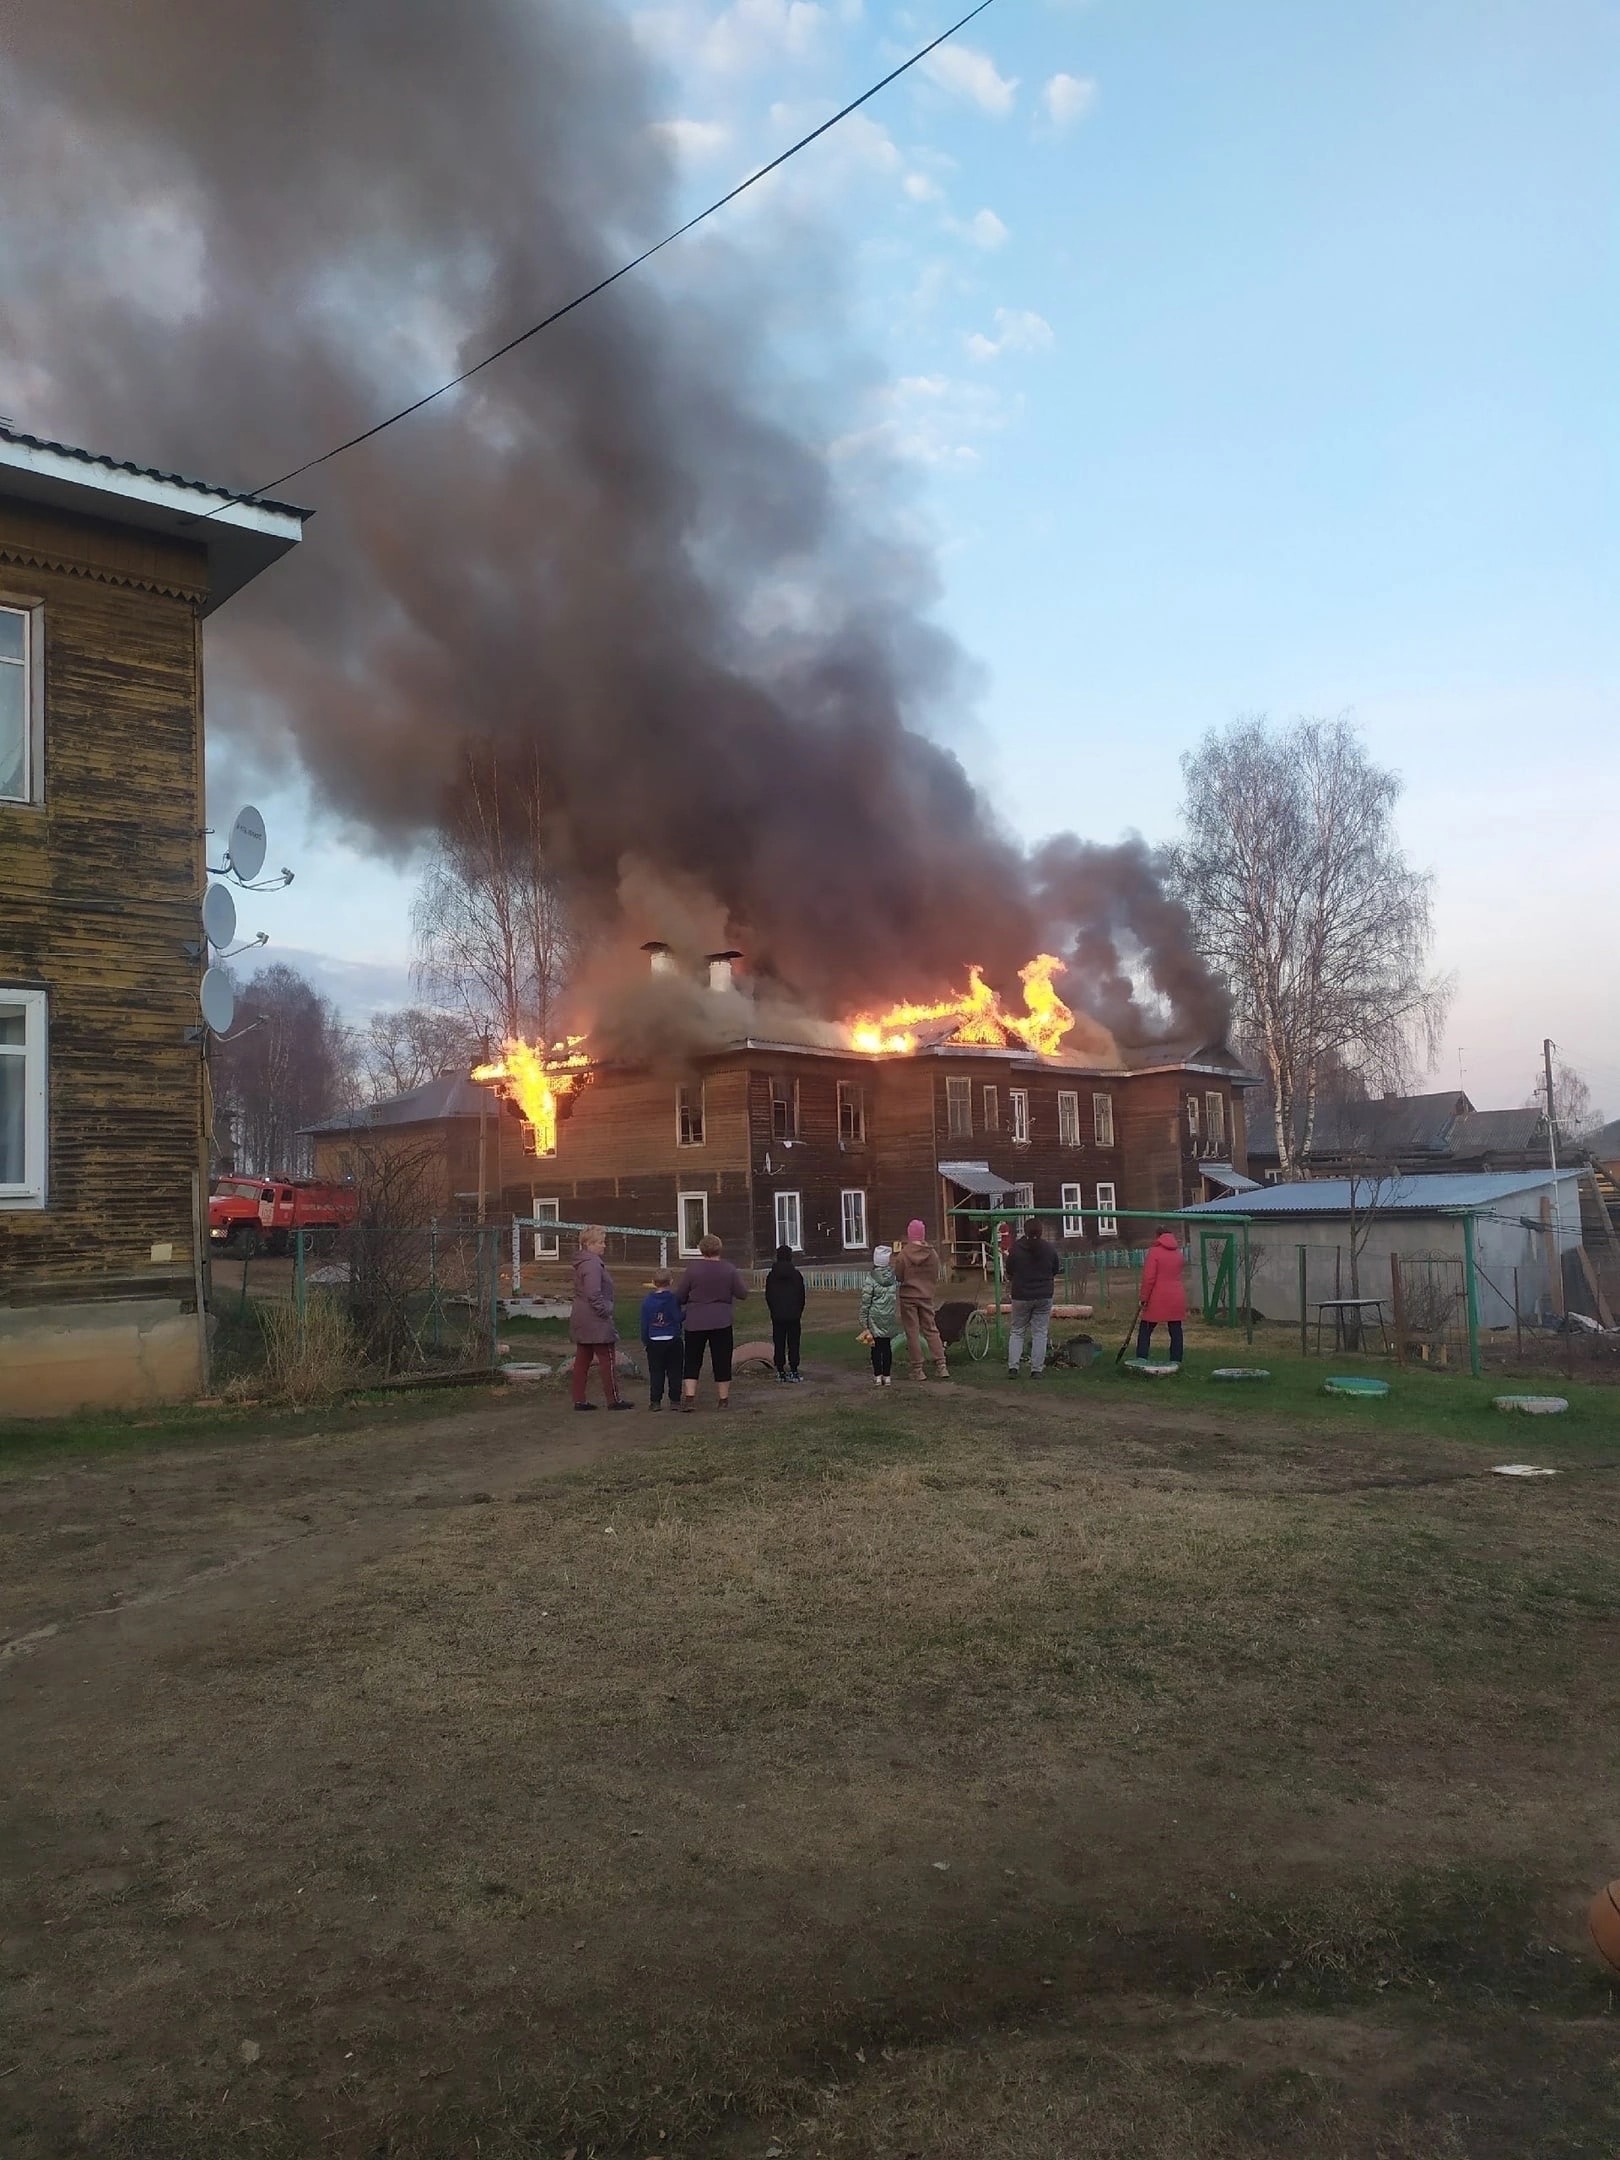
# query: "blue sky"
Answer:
x=1251 y=358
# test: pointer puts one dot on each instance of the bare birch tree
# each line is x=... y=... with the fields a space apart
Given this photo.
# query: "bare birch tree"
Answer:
x=1299 y=891
x=493 y=940
x=287 y=1061
x=402 y=1050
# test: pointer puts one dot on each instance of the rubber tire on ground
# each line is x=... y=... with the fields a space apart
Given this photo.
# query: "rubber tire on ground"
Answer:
x=976 y=1334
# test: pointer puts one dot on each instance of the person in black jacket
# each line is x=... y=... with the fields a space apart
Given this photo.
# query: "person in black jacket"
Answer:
x=784 y=1301
x=1032 y=1267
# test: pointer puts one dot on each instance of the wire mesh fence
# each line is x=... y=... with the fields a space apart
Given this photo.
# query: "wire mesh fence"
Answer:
x=368 y=1301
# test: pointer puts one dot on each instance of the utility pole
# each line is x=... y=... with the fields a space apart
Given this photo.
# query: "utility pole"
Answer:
x=1547 y=1047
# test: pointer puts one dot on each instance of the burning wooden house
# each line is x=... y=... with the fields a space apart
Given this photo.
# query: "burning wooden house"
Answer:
x=832 y=1146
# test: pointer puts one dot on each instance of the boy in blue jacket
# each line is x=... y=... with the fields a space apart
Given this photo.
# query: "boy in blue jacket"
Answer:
x=661 y=1339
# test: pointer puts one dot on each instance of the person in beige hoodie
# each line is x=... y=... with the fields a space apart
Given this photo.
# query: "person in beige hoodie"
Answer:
x=916 y=1265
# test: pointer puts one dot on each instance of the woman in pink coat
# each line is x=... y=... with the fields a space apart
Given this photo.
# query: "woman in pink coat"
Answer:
x=1164 y=1295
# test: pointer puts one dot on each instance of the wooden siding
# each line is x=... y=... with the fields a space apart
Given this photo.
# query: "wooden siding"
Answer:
x=99 y=890
x=624 y=1123
x=818 y=1165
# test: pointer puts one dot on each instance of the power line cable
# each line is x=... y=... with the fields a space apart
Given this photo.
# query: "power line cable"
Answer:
x=624 y=270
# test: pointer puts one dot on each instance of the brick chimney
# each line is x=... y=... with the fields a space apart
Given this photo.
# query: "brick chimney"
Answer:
x=720 y=969
x=659 y=956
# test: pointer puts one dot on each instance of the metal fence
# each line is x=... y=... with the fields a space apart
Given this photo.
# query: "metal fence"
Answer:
x=391 y=1300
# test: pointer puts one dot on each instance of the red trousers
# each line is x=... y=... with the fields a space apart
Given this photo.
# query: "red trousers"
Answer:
x=603 y=1353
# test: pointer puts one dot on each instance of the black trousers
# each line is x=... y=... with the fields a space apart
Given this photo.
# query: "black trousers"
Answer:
x=665 y=1363
x=883 y=1355
x=718 y=1341
x=785 y=1338
x=1144 y=1340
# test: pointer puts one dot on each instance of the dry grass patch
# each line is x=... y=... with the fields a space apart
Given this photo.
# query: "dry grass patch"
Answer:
x=646 y=1811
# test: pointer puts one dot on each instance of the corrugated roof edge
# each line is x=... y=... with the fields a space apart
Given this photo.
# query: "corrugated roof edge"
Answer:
x=147 y=472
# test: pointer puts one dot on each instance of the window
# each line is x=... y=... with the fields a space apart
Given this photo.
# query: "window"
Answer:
x=784 y=1111
x=1018 y=1115
x=692 y=1219
x=851 y=1112
x=689 y=1116
x=1074 y=1223
x=547 y=1244
x=1192 y=1115
x=789 y=1221
x=1102 y=1119
x=1107 y=1220
x=1215 y=1119
x=19 y=704
x=854 y=1214
x=959 y=1109
x=22 y=1098
x=1068 y=1118
x=992 y=1111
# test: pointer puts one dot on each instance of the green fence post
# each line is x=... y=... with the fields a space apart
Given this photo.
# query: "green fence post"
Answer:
x=494 y=1299
x=1472 y=1289
x=300 y=1289
x=1304 y=1310
x=247 y=1262
x=1248 y=1289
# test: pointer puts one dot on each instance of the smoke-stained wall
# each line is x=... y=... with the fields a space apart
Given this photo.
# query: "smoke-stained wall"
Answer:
x=235 y=231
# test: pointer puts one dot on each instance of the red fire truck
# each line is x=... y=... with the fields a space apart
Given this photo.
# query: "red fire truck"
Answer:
x=257 y=1215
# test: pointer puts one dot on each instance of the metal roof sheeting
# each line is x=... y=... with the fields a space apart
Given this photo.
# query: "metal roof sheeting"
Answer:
x=142 y=472
x=1425 y=1193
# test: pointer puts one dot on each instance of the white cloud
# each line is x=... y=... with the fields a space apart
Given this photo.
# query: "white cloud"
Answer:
x=966 y=72
x=746 y=34
x=920 y=188
x=1017 y=330
x=984 y=229
x=693 y=140
x=1068 y=98
x=928 y=420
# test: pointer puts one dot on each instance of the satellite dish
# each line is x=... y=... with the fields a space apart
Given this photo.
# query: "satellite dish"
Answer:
x=244 y=851
x=219 y=916
x=217 y=997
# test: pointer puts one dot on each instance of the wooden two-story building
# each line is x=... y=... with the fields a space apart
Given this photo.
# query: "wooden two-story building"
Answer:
x=833 y=1151
x=106 y=573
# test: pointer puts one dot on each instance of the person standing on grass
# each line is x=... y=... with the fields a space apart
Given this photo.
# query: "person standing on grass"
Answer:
x=784 y=1301
x=880 y=1314
x=916 y=1266
x=1032 y=1270
x=661 y=1339
x=1164 y=1295
x=708 y=1292
x=591 y=1325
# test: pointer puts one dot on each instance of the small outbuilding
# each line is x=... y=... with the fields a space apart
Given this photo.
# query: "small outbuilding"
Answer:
x=1520 y=1219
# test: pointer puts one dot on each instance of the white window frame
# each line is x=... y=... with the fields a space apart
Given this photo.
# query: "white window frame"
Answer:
x=851 y=1114
x=1074 y=1199
x=547 y=1248
x=1018 y=1116
x=1023 y=1196
x=990 y=1109
x=1068 y=1117
x=958 y=1094
x=1102 y=1119
x=797 y=1212
x=686 y=1251
x=702 y=1118
x=860 y=1242
x=1192 y=1116
x=33 y=674
x=34 y=1057
x=1215 y=1118
x=1107 y=1220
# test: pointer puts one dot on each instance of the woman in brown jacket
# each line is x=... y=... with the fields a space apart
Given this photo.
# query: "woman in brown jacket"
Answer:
x=916 y=1264
x=591 y=1325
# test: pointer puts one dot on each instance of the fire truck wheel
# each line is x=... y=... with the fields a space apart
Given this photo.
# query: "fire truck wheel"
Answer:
x=248 y=1242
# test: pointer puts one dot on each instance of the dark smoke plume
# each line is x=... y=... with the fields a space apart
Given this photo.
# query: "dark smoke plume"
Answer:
x=235 y=231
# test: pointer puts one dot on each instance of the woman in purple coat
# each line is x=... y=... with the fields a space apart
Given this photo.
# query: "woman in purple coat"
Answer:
x=708 y=1291
x=591 y=1325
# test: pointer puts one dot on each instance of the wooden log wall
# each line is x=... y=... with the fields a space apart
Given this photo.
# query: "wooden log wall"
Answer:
x=100 y=884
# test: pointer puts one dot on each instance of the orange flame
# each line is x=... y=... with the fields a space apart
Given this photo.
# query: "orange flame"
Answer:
x=979 y=1015
x=537 y=1077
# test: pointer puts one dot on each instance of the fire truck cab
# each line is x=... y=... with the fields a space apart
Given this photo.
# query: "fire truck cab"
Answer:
x=258 y=1215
